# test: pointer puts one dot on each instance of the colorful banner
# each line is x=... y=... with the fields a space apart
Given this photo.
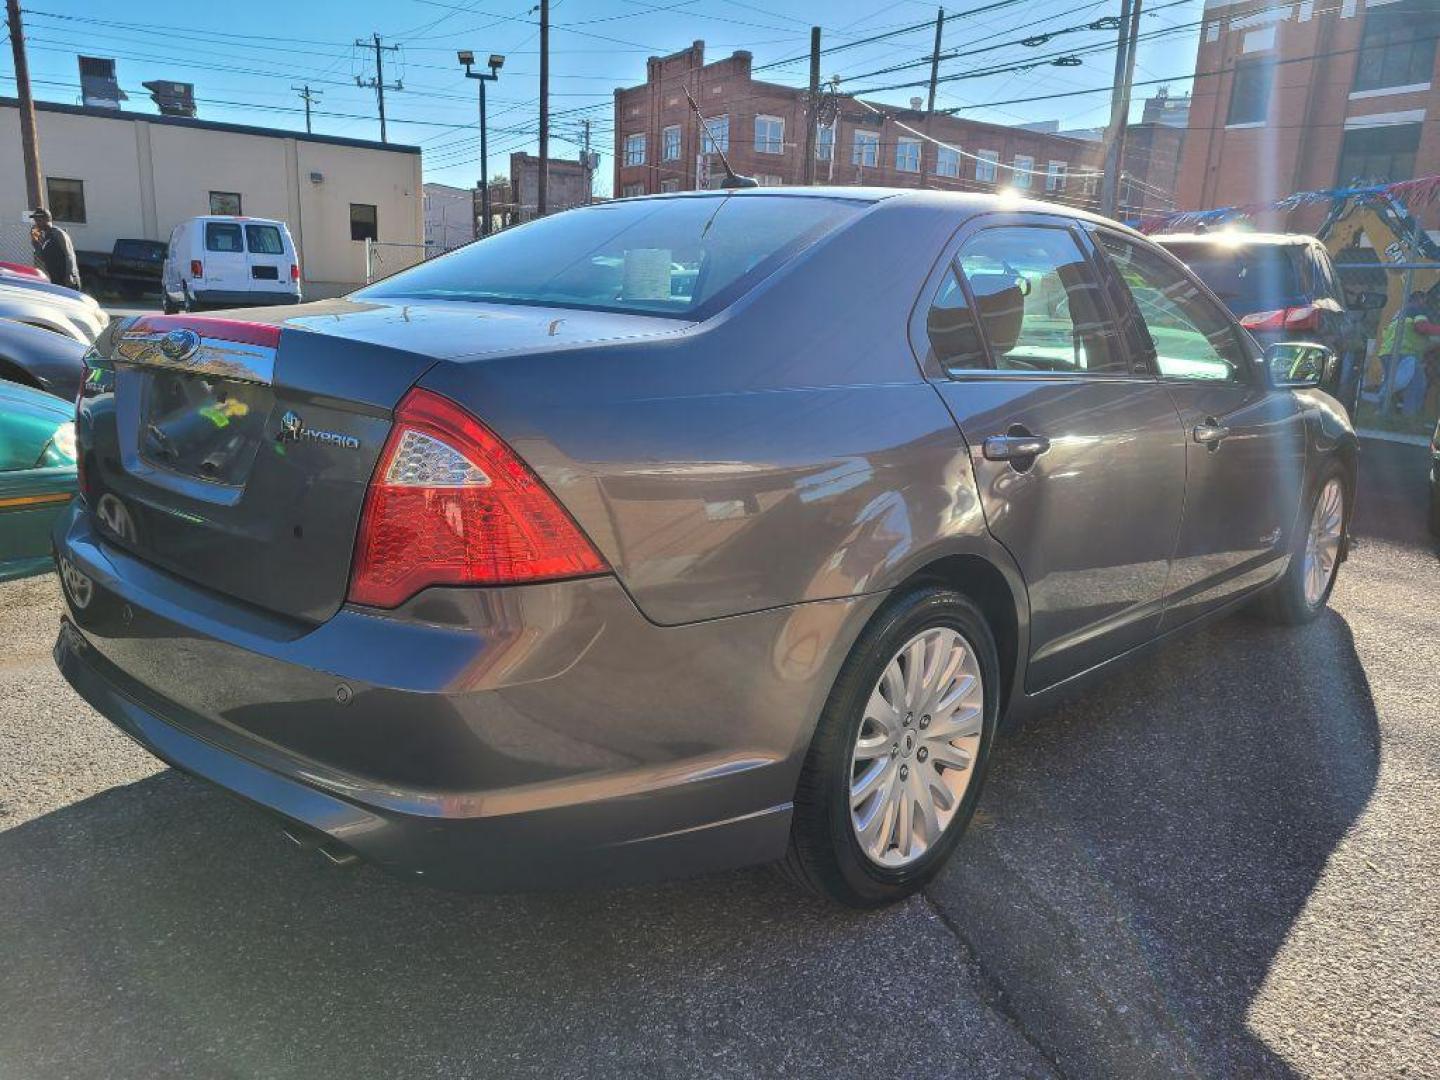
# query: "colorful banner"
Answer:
x=1422 y=190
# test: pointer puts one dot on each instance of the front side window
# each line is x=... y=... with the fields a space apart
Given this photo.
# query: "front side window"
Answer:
x=717 y=134
x=1055 y=176
x=769 y=135
x=1037 y=302
x=66 y=199
x=670 y=143
x=635 y=149
x=364 y=222
x=1024 y=170
x=825 y=142
x=1379 y=155
x=985 y=166
x=1392 y=53
x=225 y=202
x=223 y=236
x=1250 y=92
x=866 y=151
x=1193 y=338
x=947 y=161
x=684 y=258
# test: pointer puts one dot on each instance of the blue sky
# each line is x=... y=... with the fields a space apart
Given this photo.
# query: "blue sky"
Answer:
x=244 y=57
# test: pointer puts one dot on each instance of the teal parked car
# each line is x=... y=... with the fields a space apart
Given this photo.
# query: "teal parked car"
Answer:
x=37 y=475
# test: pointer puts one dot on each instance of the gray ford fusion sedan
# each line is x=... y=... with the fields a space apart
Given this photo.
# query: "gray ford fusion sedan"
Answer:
x=681 y=533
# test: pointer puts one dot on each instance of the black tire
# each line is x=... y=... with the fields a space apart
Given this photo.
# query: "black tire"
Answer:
x=1285 y=602
x=824 y=854
x=167 y=305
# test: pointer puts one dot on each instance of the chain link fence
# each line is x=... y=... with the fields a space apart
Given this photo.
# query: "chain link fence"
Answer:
x=1393 y=386
x=15 y=241
x=383 y=259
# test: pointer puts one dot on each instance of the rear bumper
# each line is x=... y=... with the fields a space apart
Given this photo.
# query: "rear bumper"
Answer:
x=556 y=737
x=244 y=297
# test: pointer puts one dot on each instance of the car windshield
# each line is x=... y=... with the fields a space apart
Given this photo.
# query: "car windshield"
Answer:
x=1248 y=278
x=685 y=257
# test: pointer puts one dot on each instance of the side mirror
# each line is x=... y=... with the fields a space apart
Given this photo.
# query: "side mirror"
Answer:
x=1297 y=364
x=1368 y=301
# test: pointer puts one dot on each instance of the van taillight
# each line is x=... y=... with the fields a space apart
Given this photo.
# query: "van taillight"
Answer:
x=294 y=271
x=197 y=268
x=451 y=504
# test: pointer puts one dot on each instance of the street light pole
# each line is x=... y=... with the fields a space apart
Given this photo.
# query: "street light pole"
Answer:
x=496 y=62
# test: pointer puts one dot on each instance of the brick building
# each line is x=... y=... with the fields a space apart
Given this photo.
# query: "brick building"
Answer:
x=761 y=126
x=1307 y=96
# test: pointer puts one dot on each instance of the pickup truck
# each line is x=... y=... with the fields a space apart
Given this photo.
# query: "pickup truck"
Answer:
x=131 y=268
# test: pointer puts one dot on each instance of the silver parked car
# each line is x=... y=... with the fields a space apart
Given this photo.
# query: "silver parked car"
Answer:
x=52 y=307
x=681 y=533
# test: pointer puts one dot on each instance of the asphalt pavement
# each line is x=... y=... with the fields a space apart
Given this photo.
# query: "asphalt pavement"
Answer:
x=1221 y=862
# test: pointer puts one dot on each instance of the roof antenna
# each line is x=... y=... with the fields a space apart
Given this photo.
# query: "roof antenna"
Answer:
x=732 y=178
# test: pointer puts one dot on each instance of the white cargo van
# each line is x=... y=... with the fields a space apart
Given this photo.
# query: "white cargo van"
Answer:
x=223 y=261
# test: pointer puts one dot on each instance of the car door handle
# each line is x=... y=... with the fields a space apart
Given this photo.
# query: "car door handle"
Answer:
x=1211 y=433
x=1012 y=447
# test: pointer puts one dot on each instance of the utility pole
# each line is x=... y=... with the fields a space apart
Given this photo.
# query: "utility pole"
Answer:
x=378 y=82
x=544 y=193
x=29 y=134
x=935 y=61
x=1119 y=106
x=812 y=121
x=310 y=97
x=589 y=179
x=496 y=62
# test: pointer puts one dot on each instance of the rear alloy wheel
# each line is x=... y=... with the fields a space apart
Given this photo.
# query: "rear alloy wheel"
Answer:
x=899 y=754
x=1301 y=594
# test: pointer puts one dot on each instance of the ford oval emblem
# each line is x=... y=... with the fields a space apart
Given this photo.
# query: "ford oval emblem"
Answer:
x=180 y=344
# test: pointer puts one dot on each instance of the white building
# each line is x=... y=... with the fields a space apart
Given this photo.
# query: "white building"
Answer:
x=449 y=217
x=111 y=174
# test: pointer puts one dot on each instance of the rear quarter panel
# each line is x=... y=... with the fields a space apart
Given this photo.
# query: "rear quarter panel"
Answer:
x=787 y=450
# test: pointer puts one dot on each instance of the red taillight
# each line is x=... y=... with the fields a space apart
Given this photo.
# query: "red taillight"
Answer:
x=1292 y=318
x=294 y=271
x=197 y=268
x=450 y=504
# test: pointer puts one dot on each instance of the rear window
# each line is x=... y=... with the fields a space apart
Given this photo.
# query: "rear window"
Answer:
x=1248 y=278
x=686 y=257
x=223 y=236
x=264 y=240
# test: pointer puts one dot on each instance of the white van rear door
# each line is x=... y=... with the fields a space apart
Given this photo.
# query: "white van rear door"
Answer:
x=268 y=258
x=224 y=256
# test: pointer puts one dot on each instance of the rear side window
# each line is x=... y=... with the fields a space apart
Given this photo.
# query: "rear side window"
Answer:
x=264 y=240
x=685 y=257
x=1193 y=338
x=1035 y=299
x=1248 y=277
x=223 y=236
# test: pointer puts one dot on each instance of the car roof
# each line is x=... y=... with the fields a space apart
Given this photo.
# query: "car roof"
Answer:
x=1238 y=239
x=239 y=219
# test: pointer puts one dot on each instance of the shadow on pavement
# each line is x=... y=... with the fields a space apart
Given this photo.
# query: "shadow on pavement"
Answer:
x=1142 y=853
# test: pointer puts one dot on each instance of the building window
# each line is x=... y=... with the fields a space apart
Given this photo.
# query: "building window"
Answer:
x=1024 y=170
x=670 y=144
x=769 y=180
x=985 y=167
x=1250 y=92
x=1392 y=53
x=1055 y=176
x=947 y=161
x=866 y=151
x=825 y=142
x=671 y=184
x=769 y=135
x=225 y=202
x=717 y=134
x=907 y=155
x=66 y=199
x=363 y=223
x=634 y=149
x=631 y=190
x=1378 y=155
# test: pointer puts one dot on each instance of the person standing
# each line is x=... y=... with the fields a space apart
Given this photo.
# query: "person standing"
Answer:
x=1404 y=361
x=54 y=251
